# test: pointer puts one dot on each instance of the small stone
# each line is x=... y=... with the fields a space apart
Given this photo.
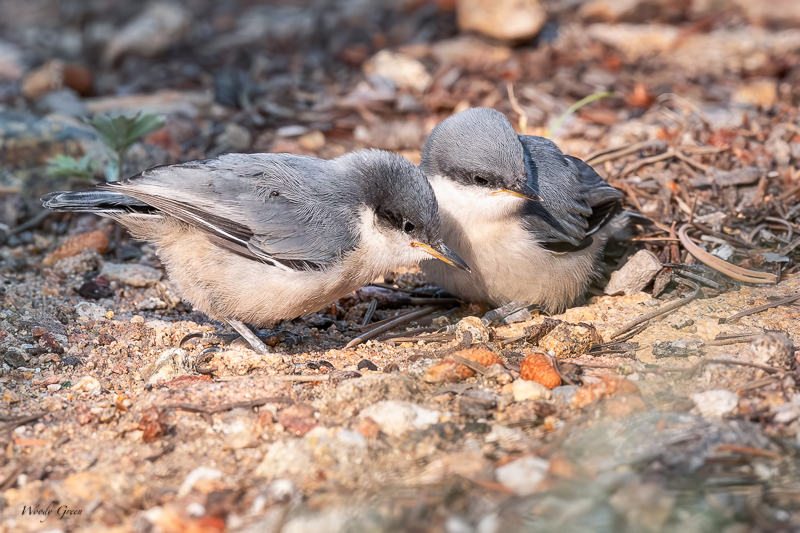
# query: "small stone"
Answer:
x=89 y=311
x=86 y=384
x=52 y=403
x=238 y=429
x=678 y=348
x=403 y=70
x=55 y=387
x=201 y=473
x=368 y=428
x=522 y=389
x=570 y=340
x=95 y=241
x=506 y=20
x=761 y=92
x=471 y=330
x=634 y=275
x=523 y=475
x=715 y=403
x=366 y=364
x=395 y=418
x=9 y=396
x=313 y=140
x=16 y=357
x=564 y=393
x=151 y=32
x=135 y=275
x=773 y=348
x=678 y=321
x=498 y=373
x=169 y=365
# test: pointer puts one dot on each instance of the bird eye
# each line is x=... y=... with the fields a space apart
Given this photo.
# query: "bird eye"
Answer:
x=482 y=182
x=273 y=194
x=408 y=227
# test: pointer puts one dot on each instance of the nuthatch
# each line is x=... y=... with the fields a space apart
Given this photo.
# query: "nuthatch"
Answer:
x=258 y=238
x=531 y=222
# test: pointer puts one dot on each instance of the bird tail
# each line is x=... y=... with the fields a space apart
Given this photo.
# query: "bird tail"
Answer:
x=93 y=201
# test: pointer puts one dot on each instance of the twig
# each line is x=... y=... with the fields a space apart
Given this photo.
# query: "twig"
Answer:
x=523 y=116
x=228 y=406
x=370 y=311
x=658 y=312
x=477 y=367
x=636 y=165
x=734 y=340
x=610 y=154
x=754 y=310
x=748 y=450
x=389 y=325
x=574 y=107
x=21 y=421
x=789 y=227
x=763 y=382
x=736 y=362
x=718 y=264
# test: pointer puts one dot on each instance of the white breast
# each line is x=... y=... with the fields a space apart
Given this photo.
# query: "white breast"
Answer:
x=506 y=261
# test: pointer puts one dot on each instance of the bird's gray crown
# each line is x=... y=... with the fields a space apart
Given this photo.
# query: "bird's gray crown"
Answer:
x=476 y=147
x=397 y=191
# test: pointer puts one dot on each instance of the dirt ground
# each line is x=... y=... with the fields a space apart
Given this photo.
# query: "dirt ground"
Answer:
x=579 y=422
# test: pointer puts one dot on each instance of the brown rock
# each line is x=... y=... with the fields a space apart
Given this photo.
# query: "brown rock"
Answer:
x=571 y=340
x=761 y=92
x=368 y=428
x=298 y=419
x=536 y=367
x=506 y=20
x=634 y=275
x=449 y=371
x=94 y=240
x=605 y=388
x=54 y=76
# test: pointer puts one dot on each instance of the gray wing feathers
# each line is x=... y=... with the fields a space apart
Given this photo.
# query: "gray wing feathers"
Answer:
x=574 y=197
x=266 y=202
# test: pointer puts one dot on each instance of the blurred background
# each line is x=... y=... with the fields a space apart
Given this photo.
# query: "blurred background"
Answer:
x=688 y=106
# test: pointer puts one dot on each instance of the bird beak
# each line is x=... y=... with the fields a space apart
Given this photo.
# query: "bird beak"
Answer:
x=523 y=191
x=443 y=253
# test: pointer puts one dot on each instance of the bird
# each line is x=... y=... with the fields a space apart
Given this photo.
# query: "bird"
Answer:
x=253 y=239
x=531 y=222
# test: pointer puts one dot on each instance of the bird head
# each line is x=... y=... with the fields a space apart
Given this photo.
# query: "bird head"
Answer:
x=479 y=152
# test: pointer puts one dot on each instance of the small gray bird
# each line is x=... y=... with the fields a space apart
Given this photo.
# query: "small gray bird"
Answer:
x=258 y=238
x=531 y=222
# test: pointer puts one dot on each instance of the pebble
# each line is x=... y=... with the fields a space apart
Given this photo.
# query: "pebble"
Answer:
x=86 y=384
x=564 y=393
x=570 y=340
x=523 y=475
x=471 y=330
x=715 y=403
x=89 y=311
x=395 y=417
x=201 y=473
x=522 y=389
x=773 y=348
x=405 y=71
x=506 y=20
x=168 y=366
x=134 y=274
x=634 y=275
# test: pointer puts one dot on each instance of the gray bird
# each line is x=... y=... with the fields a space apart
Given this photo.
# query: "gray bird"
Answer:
x=531 y=222
x=258 y=238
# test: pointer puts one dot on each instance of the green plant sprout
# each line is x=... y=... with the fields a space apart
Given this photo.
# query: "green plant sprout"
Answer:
x=574 y=107
x=118 y=133
x=68 y=167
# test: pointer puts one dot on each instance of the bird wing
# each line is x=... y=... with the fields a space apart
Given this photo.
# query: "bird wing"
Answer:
x=576 y=202
x=271 y=207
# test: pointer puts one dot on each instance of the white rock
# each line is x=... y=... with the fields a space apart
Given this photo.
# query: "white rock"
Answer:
x=635 y=274
x=404 y=71
x=86 y=383
x=507 y=20
x=89 y=311
x=169 y=365
x=715 y=403
x=134 y=274
x=523 y=475
x=152 y=32
x=201 y=473
x=471 y=328
x=395 y=418
x=523 y=389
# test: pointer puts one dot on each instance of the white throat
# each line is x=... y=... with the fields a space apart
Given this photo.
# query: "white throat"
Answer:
x=469 y=203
